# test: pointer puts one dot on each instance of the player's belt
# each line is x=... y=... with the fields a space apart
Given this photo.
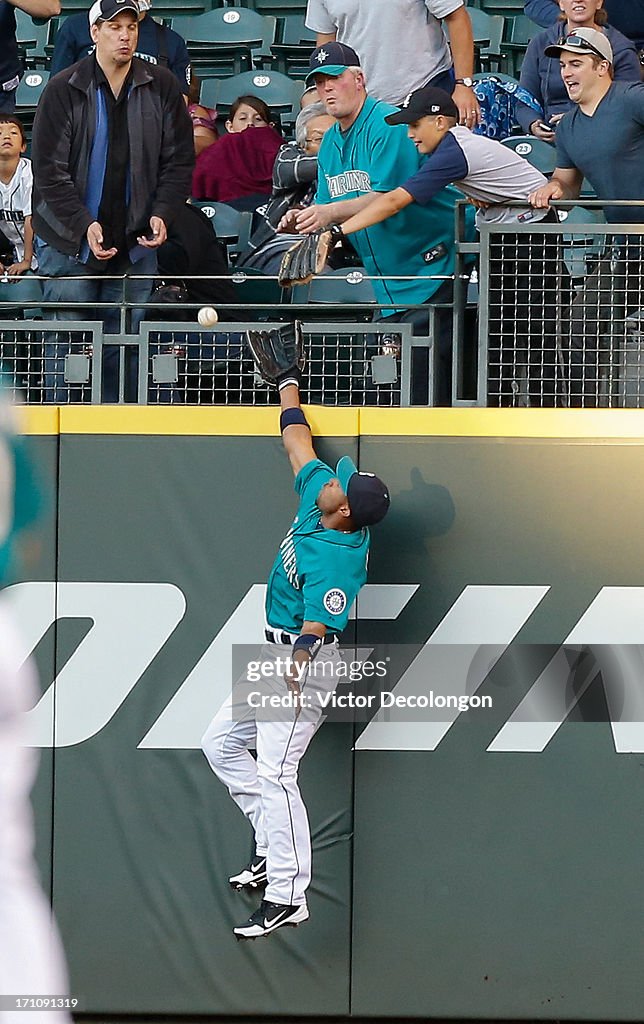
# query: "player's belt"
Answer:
x=279 y=636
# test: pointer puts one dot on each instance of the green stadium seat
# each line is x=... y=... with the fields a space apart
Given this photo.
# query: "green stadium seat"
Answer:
x=540 y=154
x=488 y=33
x=228 y=40
x=232 y=227
x=519 y=31
x=347 y=288
x=32 y=37
x=282 y=94
x=296 y=43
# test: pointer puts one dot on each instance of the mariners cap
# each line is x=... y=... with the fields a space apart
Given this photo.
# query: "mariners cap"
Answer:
x=368 y=495
x=583 y=40
x=106 y=10
x=332 y=59
x=424 y=102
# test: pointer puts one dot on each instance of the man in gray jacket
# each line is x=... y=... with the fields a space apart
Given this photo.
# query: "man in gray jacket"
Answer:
x=112 y=159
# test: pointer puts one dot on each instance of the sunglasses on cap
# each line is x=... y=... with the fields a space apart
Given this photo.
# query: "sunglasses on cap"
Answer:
x=575 y=41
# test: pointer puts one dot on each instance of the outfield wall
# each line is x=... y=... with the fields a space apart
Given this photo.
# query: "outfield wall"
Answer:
x=483 y=866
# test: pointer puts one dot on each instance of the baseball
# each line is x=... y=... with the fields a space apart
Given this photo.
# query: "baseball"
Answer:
x=207 y=316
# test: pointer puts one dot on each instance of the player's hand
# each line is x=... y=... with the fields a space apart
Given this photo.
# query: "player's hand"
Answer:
x=314 y=218
x=294 y=688
x=157 y=236
x=469 y=111
x=95 y=241
x=541 y=197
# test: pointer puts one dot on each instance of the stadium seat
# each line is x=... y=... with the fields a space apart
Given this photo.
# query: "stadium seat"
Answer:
x=278 y=8
x=540 y=154
x=519 y=31
x=294 y=49
x=232 y=227
x=28 y=94
x=582 y=251
x=228 y=40
x=345 y=288
x=488 y=35
x=282 y=94
x=32 y=37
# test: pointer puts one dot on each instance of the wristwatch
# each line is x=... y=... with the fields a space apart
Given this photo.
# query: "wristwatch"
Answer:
x=469 y=82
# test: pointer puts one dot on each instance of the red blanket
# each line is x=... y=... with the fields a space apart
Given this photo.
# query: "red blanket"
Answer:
x=238 y=164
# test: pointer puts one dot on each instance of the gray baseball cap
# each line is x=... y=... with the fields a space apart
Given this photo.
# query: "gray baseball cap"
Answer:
x=583 y=40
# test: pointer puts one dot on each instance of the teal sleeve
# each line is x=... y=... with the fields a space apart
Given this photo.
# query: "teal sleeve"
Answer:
x=327 y=601
x=393 y=159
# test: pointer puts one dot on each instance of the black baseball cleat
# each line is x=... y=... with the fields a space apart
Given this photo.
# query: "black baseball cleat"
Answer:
x=251 y=877
x=270 y=916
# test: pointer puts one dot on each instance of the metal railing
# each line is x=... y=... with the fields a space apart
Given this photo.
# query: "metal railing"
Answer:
x=560 y=313
x=51 y=356
x=557 y=322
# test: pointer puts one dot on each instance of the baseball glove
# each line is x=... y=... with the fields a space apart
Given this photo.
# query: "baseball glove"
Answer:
x=278 y=354
x=300 y=264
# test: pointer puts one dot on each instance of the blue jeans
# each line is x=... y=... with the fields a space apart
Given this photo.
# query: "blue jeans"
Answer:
x=60 y=287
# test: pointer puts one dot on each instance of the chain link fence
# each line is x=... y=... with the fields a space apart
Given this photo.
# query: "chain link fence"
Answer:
x=561 y=310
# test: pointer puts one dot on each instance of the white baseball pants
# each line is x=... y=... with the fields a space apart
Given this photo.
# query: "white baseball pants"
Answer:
x=31 y=958
x=266 y=789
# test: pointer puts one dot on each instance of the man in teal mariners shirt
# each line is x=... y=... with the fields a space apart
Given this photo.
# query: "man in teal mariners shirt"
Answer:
x=319 y=569
x=362 y=156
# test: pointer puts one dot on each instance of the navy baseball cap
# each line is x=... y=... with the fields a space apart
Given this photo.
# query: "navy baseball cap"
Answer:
x=368 y=495
x=106 y=10
x=424 y=102
x=332 y=59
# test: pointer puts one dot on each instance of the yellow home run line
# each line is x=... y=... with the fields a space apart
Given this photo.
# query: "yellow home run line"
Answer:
x=222 y=421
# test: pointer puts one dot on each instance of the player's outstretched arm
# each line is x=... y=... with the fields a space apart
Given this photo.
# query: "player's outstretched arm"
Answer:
x=296 y=433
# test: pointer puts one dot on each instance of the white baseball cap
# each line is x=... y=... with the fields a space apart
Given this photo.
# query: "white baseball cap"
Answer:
x=106 y=10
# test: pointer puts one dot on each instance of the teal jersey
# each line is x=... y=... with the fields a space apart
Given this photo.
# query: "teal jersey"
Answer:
x=317 y=573
x=20 y=495
x=373 y=156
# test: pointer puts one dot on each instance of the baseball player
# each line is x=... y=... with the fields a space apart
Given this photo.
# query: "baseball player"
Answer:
x=31 y=961
x=319 y=569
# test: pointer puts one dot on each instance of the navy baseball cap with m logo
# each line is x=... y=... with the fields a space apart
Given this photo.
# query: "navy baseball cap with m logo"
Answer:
x=331 y=59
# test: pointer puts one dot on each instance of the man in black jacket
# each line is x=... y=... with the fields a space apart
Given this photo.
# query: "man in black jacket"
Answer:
x=157 y=44
x=112 y=159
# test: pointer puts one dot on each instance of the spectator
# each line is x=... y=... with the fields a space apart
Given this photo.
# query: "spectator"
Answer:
x=310 y=95
x=16 y=233
x=492 y=175
x=602 y=139
x=10 y=69
x=541 y=75
x=103 y=209
x=417 y=51
x=625 y=15
x=204 y=119
x=157 y=44
x=238 y=168
x=361 y=156
x=294 y=186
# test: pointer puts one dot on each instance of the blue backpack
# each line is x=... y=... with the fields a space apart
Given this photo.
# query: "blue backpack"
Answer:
x=497 y=100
